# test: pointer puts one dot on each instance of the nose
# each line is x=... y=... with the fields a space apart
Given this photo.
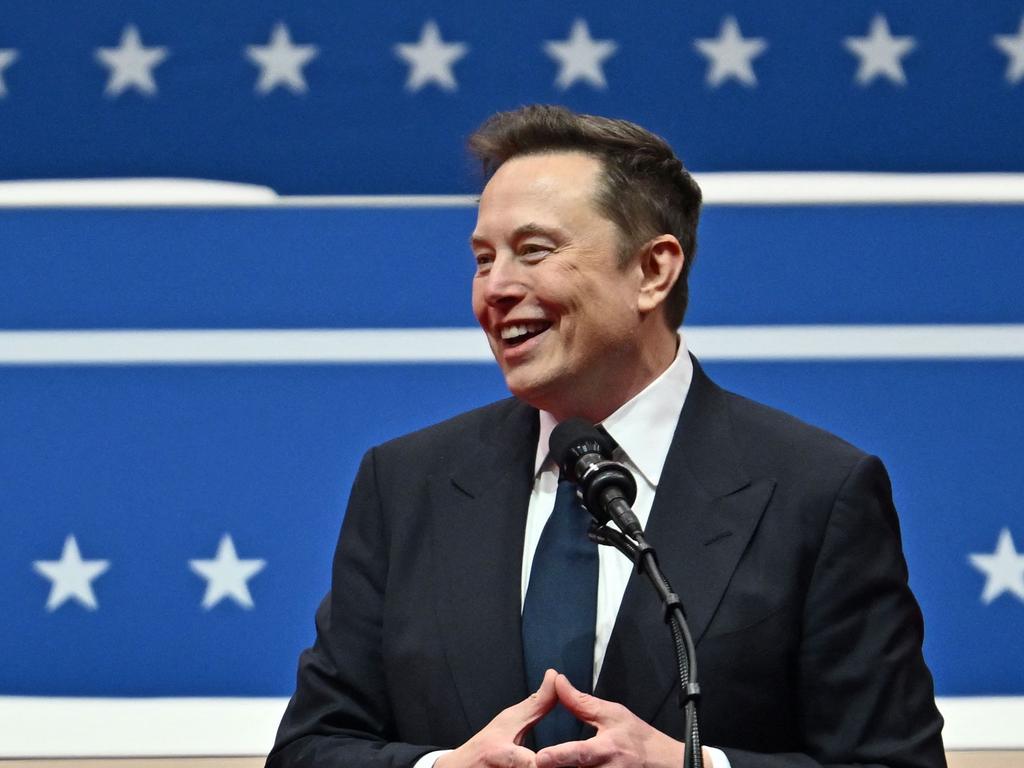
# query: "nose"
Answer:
x=504 y=283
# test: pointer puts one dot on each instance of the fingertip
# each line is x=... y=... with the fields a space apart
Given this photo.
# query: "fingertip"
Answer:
x=564 y=681
x=521 y=757
x=540 y=702
x=576 y=753
x=548 y=681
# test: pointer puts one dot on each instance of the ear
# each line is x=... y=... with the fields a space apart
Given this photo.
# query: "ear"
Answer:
x=661 y=260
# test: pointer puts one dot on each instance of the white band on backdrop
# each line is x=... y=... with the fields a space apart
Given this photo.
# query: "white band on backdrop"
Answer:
x=776 y=188
x=782 y=343
x=85 y=727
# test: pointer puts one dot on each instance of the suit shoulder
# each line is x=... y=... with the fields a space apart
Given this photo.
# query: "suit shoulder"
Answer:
x=812 y=468
x=770 y=436
x=456 y=433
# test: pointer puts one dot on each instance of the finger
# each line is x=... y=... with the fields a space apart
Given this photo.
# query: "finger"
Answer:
x=490 y=755
x=571 y=753
x=547 y=685
x=543 y=699
x=585 y=707
x=514 y=757
x=526 y=713
x=516 y=720
x=537 y=704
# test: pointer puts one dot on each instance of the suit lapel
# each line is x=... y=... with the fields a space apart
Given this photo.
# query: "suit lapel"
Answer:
x=479 y=515
x=705 y=511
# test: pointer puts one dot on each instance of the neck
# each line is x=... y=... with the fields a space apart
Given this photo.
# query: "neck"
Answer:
x=635 y=373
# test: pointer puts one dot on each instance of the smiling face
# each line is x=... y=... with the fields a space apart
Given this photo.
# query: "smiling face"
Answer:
x=564 y=316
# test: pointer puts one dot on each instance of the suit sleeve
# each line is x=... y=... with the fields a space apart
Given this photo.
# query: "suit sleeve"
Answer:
x=340 y=714
x=866 y=696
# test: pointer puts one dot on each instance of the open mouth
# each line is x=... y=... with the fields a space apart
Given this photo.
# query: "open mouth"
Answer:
x=514 y=335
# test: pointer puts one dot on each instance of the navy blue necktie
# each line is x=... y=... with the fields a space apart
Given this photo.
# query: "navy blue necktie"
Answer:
x=560 y=610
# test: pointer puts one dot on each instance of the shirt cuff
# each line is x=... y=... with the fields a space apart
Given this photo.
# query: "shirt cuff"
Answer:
x=718 y=758
x=428 y=760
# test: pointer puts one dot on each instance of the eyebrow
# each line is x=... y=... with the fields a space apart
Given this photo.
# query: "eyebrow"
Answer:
x=525 y=230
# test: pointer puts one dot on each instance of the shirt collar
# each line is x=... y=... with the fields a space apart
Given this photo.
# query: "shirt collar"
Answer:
x=643 y=427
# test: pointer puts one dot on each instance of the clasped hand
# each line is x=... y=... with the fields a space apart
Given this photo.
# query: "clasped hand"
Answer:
x=622 y=739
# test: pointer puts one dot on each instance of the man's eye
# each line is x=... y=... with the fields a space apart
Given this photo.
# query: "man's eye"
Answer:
x=534 y=249
x=483 y=261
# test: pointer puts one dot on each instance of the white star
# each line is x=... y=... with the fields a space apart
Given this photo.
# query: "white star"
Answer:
x=1013 y=47
x=281 y=61
x=71 y=576
x=1004 y=569
x=880 y=53
x=226 y=575
x=431 y=59
x=131 y=64
x=7 y=57
x=731 y=54
x=580 y=57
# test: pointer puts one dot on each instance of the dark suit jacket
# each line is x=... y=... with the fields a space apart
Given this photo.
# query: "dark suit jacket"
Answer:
x=781 y=539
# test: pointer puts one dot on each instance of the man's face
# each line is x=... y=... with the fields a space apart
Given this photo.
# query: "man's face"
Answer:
x=559 y=311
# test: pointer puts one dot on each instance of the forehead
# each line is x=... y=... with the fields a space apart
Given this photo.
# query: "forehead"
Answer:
x=560 y=182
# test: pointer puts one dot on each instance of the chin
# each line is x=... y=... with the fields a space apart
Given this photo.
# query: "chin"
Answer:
x=522 y=388
x=543 y=395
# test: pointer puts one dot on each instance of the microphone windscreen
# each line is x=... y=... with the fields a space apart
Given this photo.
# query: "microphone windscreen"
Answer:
x=574 y=438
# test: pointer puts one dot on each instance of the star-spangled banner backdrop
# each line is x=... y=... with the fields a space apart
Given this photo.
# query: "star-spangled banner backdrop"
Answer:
x=326 y=98
x=168 y=528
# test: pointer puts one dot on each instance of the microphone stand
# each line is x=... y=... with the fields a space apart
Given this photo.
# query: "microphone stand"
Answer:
x=646 y=562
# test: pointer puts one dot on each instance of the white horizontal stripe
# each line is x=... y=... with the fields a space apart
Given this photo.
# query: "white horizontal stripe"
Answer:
x=759 y=188
x=88 y=727
x=204 y=347
x=134 y=193
x=748 y=188
x=467 y=345
x=856 y=342
x=378 y=201
x=983 y=722
x=84 y=727
x=860 y=188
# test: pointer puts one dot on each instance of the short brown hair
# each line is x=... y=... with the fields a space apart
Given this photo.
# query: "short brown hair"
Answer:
x=645 y=190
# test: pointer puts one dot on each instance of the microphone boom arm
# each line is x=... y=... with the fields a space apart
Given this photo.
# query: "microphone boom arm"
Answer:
x=646 y=562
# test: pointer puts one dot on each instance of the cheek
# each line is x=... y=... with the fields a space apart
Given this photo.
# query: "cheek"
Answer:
x=607 y=318
x=562 y=288
x=477 y=299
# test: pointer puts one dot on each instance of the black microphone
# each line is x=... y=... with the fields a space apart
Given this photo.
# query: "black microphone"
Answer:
x=607 y=488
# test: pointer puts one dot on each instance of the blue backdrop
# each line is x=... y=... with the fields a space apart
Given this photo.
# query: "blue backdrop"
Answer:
x=149 y=466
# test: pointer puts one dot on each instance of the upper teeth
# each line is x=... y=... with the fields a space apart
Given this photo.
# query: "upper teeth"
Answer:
x=512 y=331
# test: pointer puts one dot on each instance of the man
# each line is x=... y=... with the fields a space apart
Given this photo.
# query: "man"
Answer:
x=781 y=539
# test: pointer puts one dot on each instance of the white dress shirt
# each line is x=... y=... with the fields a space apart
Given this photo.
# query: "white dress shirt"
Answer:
x=643 y=428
